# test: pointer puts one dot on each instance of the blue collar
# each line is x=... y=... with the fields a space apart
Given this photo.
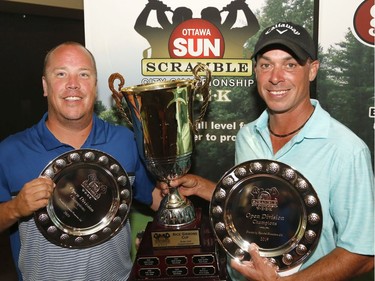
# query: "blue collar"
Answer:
x=98 y=134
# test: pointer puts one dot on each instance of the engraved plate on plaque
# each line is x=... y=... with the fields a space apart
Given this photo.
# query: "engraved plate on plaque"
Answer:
x=149 y=272
x=177 y=271
x=268 y=203
x=203 y=259
x=203 y=270
x=176 y=260
x=175 y=238
x=91 y=200
x=148 y=261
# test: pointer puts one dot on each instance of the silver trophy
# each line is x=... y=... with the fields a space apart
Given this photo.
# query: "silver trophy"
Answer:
x=271 y=204
x=162 y=121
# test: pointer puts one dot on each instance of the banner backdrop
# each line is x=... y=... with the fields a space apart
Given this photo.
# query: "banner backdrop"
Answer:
x=151 y=41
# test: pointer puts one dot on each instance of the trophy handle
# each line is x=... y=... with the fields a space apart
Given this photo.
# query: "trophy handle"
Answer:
x=202 y=88
x=117 y=96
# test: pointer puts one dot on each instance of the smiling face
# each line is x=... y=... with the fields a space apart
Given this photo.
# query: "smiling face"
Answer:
x=69 y=83
x=282 y=82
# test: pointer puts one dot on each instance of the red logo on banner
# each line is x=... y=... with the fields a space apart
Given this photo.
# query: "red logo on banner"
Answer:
x=364 y=22
x=196 y=38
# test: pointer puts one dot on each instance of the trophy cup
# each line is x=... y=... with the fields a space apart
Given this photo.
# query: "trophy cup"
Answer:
x=179 y=242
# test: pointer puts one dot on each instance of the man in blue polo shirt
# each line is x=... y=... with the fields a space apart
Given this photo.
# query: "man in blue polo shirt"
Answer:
x=70 y=85
x=296 y=130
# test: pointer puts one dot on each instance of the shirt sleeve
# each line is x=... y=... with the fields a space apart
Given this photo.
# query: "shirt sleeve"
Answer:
x=143 y=186
x=352 y=204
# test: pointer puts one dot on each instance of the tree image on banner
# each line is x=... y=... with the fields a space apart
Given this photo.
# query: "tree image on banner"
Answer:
x=347 y=90
x=346 y=79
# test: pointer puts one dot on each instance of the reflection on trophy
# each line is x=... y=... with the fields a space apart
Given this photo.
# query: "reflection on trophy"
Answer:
x=161 y=117
x=164 y=127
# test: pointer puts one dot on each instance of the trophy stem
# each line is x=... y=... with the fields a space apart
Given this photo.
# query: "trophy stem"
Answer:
x=175 y=210
x=174 y=199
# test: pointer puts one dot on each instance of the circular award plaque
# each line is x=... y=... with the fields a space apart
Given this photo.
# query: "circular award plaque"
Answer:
x=90 y=202
x=270 y=204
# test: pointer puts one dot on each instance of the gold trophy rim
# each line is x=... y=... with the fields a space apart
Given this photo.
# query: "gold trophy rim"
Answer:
x=153 y=86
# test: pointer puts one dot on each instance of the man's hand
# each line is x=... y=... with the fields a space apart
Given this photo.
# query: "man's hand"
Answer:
x=33 y=196
x=258 y=268
x=190 y=185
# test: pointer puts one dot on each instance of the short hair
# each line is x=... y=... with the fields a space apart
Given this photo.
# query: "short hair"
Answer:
x=72 y=43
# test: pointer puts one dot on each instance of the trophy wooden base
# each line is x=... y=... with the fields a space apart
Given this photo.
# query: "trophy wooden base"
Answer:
x=189 y=253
